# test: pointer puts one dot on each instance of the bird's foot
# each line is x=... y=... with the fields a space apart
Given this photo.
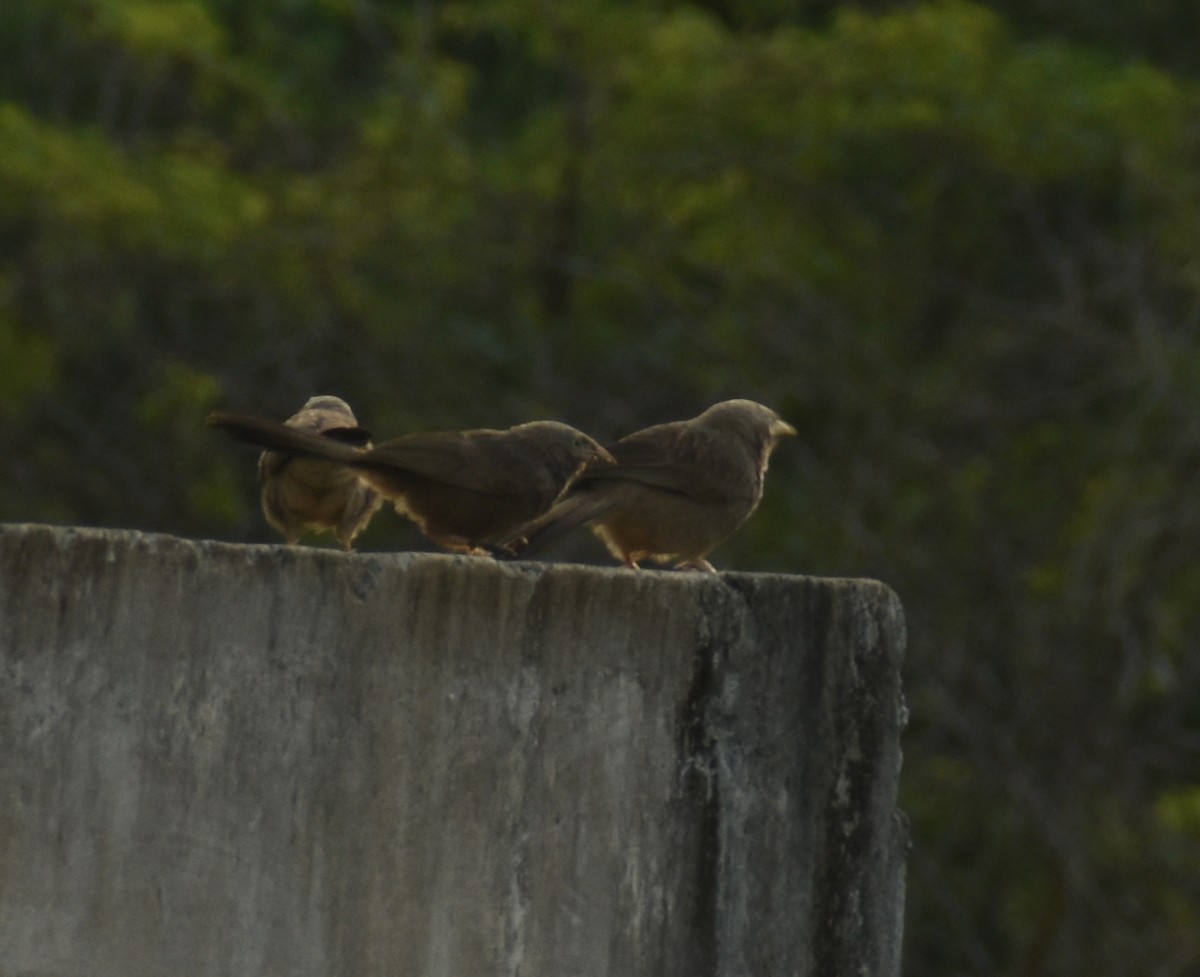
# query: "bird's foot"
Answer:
x=699 y=566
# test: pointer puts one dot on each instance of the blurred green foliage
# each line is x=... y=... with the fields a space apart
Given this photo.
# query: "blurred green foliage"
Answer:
x=957 y=245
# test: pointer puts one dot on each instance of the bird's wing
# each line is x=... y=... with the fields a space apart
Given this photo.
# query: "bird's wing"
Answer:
x=676 y=457
x=488 y=462
x=271 y=463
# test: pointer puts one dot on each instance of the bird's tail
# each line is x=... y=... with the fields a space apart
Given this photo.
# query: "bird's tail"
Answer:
x=280 y=437
x=575 y=510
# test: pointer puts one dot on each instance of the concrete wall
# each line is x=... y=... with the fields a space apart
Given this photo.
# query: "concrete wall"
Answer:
x=259 y=761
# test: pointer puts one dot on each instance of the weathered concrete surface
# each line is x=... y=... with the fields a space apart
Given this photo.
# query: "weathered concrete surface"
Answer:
x=232 y=760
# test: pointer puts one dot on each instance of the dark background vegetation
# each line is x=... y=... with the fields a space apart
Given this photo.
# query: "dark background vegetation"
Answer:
x=957 y=245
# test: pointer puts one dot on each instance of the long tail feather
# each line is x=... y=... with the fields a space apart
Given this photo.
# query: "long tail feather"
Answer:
x=569 y=513
x=280 y=437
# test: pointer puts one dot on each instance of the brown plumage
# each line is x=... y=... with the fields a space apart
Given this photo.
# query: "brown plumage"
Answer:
x=302 y=493
x=464 y=489
x=675 y=492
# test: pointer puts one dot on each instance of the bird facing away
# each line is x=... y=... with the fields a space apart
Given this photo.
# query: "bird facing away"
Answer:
x=675 y=492
x=303 y=493
x=464 y=489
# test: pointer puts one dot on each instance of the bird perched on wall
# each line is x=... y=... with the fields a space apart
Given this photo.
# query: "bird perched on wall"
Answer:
x=464 y=489
x=675 y=491
x=303 y=493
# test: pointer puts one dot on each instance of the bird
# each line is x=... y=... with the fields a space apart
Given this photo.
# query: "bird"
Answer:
x=463 y=489
x=303 y=493
x=675 y=491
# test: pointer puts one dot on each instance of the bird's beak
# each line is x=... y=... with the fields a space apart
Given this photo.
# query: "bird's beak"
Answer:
x=604 y=455
x=781 y=428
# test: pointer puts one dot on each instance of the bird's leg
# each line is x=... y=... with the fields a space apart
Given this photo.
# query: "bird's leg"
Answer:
x=457 y=544
x=699 y=565
x=498 y=552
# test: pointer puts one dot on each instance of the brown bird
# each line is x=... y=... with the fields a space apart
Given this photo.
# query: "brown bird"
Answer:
x=302 y=493
x=464 y=489
x=675 y=492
